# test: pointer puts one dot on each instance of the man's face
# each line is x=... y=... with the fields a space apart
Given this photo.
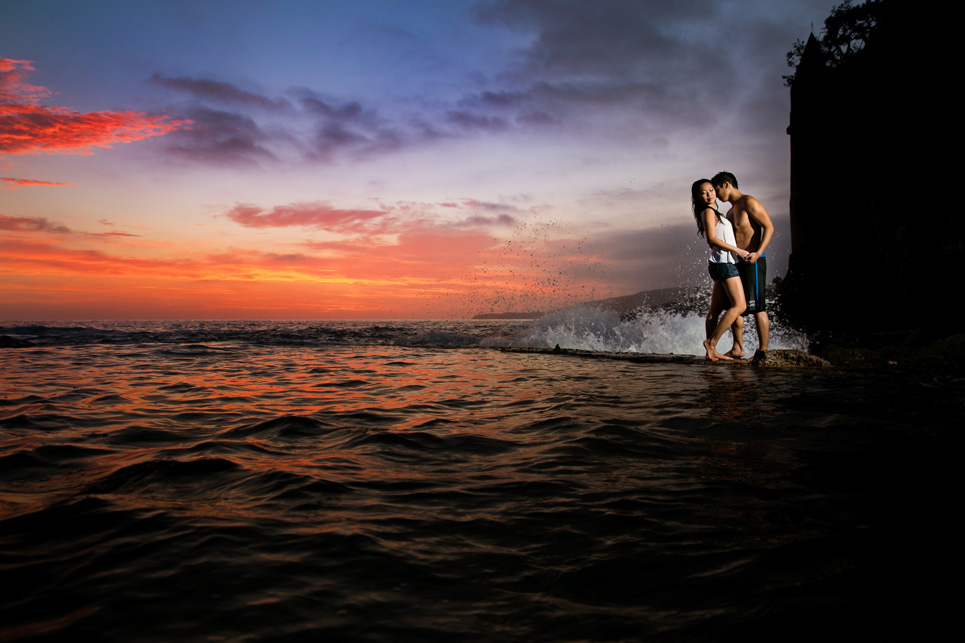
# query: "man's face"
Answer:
x=723 y=191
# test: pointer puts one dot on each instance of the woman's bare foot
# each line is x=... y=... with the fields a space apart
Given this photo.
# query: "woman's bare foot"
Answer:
x=712 y=353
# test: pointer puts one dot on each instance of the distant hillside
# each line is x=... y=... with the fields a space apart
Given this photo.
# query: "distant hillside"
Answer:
x=508 y=316
x=665 y=298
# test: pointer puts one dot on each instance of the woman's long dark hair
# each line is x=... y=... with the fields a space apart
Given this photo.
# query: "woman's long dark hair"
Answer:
x=698 y=208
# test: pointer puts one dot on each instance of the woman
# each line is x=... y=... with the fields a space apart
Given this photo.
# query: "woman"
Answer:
x=728 y=290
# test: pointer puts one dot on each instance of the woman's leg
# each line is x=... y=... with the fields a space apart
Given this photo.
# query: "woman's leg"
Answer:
x=718 y=302
x=735 y=293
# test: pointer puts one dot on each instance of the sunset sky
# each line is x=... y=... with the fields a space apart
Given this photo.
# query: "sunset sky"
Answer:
x=376 y=158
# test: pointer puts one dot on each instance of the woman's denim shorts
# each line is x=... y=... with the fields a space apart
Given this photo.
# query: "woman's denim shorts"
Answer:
x=722 y=271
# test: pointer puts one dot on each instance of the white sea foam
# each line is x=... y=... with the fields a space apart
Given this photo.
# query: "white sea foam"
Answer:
x=646 y=331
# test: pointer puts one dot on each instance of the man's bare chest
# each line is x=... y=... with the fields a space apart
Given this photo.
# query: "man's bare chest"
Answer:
x=742 y=222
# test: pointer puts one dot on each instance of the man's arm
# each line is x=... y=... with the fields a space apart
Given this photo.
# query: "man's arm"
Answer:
x=757 y=212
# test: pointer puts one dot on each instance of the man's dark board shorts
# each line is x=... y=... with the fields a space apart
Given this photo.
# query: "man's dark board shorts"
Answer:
x=722 y=271
x=754 y=278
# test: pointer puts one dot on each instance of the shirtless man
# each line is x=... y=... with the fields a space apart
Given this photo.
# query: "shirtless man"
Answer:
x=753 y=230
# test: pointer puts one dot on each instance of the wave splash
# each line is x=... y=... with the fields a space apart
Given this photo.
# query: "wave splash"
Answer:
x=643 y=331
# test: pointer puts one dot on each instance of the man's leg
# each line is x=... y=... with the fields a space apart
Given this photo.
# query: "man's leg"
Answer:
x=763 y=330
x=755 y=281
x=737 y=351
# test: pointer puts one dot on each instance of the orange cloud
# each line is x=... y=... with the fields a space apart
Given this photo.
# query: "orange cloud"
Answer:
x=13 y=81
x=29 y=128
x=19 y=183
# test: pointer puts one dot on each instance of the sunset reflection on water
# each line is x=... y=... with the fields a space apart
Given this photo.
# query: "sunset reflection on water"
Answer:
x=240 y=487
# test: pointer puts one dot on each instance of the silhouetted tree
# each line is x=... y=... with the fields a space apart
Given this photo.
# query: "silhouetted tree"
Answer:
x=846 y=32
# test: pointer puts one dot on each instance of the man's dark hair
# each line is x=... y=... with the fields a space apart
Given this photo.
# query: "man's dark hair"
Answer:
x=724 y=177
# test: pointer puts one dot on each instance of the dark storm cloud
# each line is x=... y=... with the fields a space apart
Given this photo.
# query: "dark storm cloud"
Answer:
x=544 y=103
x=334 y=135
x=469 y=121
x=214 y=90
x=220 y=137
x=606 y=62
x=611 y=38
x=228 y=127
x=347 y=127
x=246 y=128
x=666 y=65
x=596 y=94
x=334 y=138
x=536 y=119
x=351 y=111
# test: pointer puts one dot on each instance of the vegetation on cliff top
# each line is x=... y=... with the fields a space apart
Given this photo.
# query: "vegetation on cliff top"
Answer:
x=847 y=31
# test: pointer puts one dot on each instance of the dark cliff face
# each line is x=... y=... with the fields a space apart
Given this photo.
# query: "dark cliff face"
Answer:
x=873 y=191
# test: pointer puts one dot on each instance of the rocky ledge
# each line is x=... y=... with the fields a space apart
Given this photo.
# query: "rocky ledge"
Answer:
x=764 y=359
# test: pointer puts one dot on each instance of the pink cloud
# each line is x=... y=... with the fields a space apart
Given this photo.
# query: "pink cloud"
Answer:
x=111 y=234
x=314 y=215
x=390 y=218
x=31 y=224
x=42 y=225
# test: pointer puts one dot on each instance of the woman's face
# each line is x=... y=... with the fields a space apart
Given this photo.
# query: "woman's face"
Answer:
x=707 y=194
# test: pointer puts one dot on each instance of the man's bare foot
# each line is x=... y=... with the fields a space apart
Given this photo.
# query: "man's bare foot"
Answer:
x=735 y=353
x=712 y=353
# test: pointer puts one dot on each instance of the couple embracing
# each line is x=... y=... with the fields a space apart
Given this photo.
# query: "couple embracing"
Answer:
x=737 y=264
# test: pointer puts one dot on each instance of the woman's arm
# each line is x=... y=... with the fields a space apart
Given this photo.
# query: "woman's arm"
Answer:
x=710 y=226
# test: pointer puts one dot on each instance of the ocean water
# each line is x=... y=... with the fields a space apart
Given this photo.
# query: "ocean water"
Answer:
x=412 y=481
